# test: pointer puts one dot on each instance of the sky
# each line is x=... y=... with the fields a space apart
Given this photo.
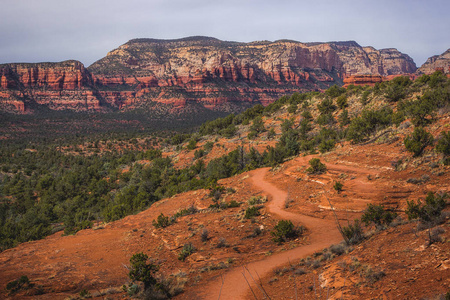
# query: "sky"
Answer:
x=86 y=30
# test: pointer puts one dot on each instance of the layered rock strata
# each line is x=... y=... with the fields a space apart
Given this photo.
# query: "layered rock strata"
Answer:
x=436 y=63
x=196 y=69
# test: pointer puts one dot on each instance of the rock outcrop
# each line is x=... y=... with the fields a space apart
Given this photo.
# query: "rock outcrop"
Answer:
x=203 y=70
x=64 y=85
x=435 y=63
x=363 y=80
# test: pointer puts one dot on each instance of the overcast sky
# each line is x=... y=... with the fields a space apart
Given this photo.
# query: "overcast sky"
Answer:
x=85 y=30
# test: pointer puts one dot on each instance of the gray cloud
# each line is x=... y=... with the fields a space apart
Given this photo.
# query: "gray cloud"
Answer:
x=55 y=30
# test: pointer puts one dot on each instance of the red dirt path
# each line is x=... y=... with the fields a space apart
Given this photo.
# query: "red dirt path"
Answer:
x=323 y=234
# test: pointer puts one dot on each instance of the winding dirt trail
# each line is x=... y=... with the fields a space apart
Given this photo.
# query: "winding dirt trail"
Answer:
x=323 y=234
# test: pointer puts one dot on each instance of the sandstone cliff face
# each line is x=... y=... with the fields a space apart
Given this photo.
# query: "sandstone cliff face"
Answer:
x=437 y=62
x=64 y=85
x=196 y=69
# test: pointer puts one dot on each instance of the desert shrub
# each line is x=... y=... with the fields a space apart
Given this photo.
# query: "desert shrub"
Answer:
x=204 y=236
x=187 y=250
x=252 y=135
x=429 y=212
x=300 y=271
x=233 y=203
x=397 y=88
x=222 y=242
x=335 y=91
x=398 y=117
x=364 y=97
x=162 y=221
x=443 y=145
x=373 y=276
x=84 y=293
x=307 y=115
x=285 y=230
x=256 y=200
x=20 y=284
x=368 y=122
x=229 y=131
x=338 y=186
x=420 y=111
x=436 y=79
x=435 y=236
x=192 y=144
x=341 y=101
x=251 y=212
x=286 y=125
x=326 y=145
x=353 y=233
x=292 y=109
x=257 y=125
x=216 y=192
x=208 y=146
x=326 y=106
x=338 y=249
x=377 y=215
x=316 y=167
x=256 y=231
x=325 y=119
x=199 y=153
x=140 y=270
x=271 y=134
x=343 y=118
x=418 y=141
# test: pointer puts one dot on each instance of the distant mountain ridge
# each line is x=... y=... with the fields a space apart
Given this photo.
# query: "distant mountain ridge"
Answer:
x=436 y=62
x=193 y=70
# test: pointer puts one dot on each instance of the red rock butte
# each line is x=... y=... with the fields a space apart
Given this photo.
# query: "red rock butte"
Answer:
x=199 y=70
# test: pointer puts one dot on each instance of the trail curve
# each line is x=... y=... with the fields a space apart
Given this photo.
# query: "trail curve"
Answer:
x=323 y=234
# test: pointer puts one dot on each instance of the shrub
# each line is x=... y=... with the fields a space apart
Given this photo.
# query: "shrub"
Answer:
x=199 y=153
x=285 y=230
x=140 y=270
x=338 y=186
x=364 y=97
x=208 y=146
x=222 y=243
x=292 y=109
x=258 y=125
x=325 y=119
x=397 y=88
x=326 y=106
x=22 y=283
x=251 y=212
x=378 y=215
x=419 y=110
x=369 y=121
x=216 y=192
x=271 y=134
x=443 y=145
x=256 y=200
x=343 y=118
x=162 y=221
x=204 y=235
x=418 y=141
x=342 y=101
x=338 y=249
x=316 y=167
x=353 y=233
x=187 y=250
x=428 y=213
x=307 y=115
x=326 y=145
x=335 y=91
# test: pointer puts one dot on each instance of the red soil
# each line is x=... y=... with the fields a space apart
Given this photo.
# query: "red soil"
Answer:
x=236 y=282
